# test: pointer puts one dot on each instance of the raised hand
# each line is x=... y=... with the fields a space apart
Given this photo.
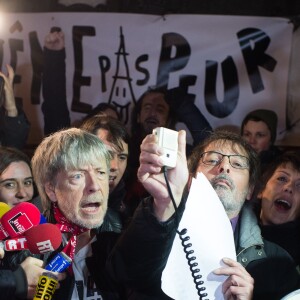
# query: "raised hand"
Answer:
x=9 y=102
x=151 y=176
x=55 y=40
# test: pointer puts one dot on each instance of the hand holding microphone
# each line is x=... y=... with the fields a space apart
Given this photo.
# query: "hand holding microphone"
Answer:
x=28 y=231
x=34 y=272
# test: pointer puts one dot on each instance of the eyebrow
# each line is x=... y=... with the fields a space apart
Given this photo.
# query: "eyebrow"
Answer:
x=282 y=171
x=15 y=179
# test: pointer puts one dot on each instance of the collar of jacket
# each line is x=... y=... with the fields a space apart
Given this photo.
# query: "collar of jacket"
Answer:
x=247 y=236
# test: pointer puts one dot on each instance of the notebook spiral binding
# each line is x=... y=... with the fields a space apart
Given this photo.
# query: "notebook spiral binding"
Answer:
x=187 y=247
x=192 y=263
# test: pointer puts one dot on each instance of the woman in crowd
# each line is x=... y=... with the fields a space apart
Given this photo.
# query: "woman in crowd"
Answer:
x=16 y=181
x=279 y=203
x=259 y=129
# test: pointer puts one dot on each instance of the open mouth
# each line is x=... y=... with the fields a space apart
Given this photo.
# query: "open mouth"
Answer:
x=283 y=205
x=91 y=207
x=152 y=121
x=112 y=179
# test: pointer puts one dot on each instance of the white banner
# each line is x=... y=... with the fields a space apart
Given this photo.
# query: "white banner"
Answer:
x=231 y=64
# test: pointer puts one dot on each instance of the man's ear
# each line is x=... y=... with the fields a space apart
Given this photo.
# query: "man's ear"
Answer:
x=50 y=191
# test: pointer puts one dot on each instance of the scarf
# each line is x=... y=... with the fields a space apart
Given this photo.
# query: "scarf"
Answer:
x=65 y=225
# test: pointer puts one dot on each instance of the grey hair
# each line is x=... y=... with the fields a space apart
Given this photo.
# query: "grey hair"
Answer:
x=66 y=149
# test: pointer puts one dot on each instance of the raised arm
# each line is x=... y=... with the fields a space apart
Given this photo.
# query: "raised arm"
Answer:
x=151 y=176
x=141 y=253
x=55 y=107
x=14 y=126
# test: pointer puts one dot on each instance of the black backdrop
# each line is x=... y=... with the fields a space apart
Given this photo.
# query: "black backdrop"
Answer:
x=284 y=8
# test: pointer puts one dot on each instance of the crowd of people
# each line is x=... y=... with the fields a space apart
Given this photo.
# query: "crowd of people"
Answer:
x=105 y=189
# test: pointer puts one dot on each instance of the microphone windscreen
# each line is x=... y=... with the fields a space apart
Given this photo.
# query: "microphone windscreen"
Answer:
x=20 y=218
x=43 y=238
x=4 y=208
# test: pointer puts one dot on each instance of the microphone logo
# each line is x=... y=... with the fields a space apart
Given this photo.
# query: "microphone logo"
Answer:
x=45 y=246
x=46 y=286
x=16 y=244
x=20 y=223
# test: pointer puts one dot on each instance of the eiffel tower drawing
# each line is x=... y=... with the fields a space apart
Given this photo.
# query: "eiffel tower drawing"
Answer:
x=121 y=94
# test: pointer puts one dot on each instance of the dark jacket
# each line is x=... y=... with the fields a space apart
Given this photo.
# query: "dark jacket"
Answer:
x=286 y=235
x=54 y=107
x=272 y=268
x=13 y=284
x=96 y=264
x=14 y=130
x=141 y=255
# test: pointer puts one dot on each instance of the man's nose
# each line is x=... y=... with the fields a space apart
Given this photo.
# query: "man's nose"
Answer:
x=114 y=164
x=93 y=183
x=224 y=165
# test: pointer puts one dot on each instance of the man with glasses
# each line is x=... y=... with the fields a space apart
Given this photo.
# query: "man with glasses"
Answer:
x=232 y=167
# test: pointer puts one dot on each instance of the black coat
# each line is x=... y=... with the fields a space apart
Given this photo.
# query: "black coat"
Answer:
x=141 y=254
x=13 y=284
x=96 y=264
x=285 y=235
x=14 y=130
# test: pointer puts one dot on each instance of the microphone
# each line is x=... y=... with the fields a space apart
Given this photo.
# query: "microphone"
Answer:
x=4 y=208
x=43 y=238
x=46 y=286
x=39 y=239
x=14 y=244
x=60 y=262
x=19 y=219
x=43 y=219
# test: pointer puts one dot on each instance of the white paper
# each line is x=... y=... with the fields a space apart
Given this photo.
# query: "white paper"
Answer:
x=211 y=236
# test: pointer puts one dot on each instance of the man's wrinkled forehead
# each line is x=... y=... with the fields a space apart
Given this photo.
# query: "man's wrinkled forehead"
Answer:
x=92 y=159
x=226 y=147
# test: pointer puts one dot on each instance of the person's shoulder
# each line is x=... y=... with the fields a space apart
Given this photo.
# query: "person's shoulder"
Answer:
x=276 y=251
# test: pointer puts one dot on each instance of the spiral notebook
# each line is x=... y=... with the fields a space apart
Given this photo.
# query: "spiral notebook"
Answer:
x=211 y=237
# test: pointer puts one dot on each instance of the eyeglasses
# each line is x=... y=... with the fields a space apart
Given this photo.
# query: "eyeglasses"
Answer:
x=212 y=158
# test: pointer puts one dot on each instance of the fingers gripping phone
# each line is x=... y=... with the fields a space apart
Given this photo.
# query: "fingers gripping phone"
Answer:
x=168 y=139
